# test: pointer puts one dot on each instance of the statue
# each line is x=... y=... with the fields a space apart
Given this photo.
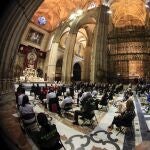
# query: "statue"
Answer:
x=30 y=75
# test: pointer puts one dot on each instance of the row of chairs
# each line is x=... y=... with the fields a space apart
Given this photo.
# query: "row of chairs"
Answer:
x=32 y=127
x=90 y=119
x=68 y=108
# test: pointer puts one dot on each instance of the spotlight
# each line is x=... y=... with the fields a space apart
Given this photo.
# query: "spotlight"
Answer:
x=109 y=12
x=146 y=5
x=79 y=12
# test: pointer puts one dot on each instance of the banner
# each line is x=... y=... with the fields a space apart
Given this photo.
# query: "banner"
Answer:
x=31 y=56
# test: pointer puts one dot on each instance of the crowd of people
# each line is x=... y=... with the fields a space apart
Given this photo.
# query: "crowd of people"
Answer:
x=55 y=97
x=46 y=136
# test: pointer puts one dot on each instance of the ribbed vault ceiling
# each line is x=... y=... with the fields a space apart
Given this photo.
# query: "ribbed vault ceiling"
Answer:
x=128 y=12
x=124 y=12
x=56 y=11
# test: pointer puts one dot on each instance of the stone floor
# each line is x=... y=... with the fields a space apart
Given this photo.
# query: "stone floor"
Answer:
x=9 y=125
x=80 y=137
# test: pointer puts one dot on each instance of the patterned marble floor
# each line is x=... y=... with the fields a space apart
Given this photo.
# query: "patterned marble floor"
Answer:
x=144 y=105
x=76 y=137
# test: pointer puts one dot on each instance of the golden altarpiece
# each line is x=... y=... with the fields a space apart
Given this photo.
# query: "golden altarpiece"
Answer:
x=129 y=52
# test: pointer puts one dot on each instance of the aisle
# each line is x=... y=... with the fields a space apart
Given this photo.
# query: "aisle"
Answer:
x=77 y=137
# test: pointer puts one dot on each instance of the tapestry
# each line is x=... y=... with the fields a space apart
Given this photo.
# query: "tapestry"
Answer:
x=31 y=56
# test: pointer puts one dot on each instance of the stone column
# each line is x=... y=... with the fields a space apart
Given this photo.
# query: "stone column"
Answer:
x=52 y=59
x=87 y=62
x=14 y=18
x=99 y=54
x=68 y=58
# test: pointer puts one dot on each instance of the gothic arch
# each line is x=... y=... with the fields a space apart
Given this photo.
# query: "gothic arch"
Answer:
x=60 y=31
x=92 y=14
x=88 y=17
x=14 y=17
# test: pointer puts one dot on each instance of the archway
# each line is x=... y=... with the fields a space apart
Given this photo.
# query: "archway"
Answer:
x=12 y=27
x=89 y=17
x=76 y=72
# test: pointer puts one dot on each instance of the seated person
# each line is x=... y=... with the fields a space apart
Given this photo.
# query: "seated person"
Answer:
x=37 y=91
x=33 y=87
x=59 y=91
x=71 y=89
x=68 y=99
x=122 y=105
x=79 y=96
x=26 y=111
x=111 y=94
x=94 y=93
x=125 y=119
x=53 y=101
x=85 y=96
x=119 y=88
x=19 y=91
x=19 y=88
x=104 y=99
x=127 y=95
x=43 y=94
x=86 y=110
x=130 y=85
x=47 y=138
x=147 y=108
x=20 y=97
x=148 y=97
x=51 y=94
x=63 y=89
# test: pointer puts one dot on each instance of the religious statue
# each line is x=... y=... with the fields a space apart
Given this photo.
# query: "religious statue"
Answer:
x=31 y=57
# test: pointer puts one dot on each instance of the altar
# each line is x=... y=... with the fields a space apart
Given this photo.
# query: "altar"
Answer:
x=30 y=75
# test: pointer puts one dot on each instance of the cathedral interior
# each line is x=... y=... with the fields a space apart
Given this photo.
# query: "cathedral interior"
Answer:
x=72 y=41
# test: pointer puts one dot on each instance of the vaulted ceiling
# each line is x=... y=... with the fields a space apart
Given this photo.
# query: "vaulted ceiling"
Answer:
x=56 y=11
x=124 y=12
x=128 y=12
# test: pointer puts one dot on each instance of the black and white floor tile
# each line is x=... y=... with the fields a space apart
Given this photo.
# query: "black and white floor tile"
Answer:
x=81 y=138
